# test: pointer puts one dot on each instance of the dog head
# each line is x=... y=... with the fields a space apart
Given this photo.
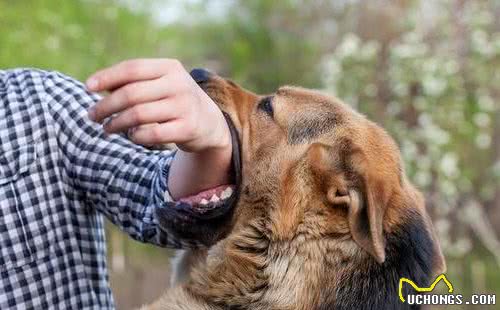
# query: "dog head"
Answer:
x=315 y=166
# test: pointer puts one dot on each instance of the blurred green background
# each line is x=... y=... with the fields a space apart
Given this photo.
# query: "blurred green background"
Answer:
x=428 y=71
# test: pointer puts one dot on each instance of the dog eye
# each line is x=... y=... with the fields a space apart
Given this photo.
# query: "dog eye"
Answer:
x=266 y=105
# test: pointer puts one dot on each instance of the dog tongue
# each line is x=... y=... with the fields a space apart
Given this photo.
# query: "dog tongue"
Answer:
x=207 y=195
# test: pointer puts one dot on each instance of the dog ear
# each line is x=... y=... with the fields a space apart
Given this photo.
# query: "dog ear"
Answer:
x=369 y=187
x=363 y=191
x=369 y=196
x=365 y=217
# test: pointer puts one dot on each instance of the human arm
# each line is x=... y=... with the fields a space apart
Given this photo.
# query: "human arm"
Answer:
x=120 y=179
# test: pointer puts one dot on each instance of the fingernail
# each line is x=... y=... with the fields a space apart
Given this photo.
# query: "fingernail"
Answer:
x=92 y=83
x=91 y=113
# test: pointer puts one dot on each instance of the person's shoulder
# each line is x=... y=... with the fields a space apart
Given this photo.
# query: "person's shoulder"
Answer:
x=56 y=78
x=20 y=72
x=21 y=77
x=63 y=91
x=34 y=76
x=37 y=79
x=66 y=93
x=58 y=84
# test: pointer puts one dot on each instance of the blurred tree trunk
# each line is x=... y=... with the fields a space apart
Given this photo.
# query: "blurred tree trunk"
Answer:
x=461 y=34
x=381 y=23
x=494 y=209
x=384 y=92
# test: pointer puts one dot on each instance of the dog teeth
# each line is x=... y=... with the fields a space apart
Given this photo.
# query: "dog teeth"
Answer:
x=214 y=198
x=203 y=201
x=226 y=193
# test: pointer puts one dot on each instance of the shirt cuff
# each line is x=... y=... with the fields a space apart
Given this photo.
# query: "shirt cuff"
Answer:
x=162 y=196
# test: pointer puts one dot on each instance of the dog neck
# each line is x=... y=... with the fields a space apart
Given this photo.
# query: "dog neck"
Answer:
x=253 y=270
x=362 y=283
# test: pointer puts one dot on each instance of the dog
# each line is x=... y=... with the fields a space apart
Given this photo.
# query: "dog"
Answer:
x=324 y=217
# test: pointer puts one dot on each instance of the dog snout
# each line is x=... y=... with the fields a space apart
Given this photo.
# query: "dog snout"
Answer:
x=201 y=75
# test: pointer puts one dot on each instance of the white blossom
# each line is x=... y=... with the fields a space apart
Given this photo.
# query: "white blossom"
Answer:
x=486 y=102
x=482 y=119
x=349 y=46
x=483 y=140
x=422 y=178
x=449 y=165
x=433 y=85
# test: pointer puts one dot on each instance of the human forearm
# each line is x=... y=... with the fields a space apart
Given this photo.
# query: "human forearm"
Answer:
x=190 y=174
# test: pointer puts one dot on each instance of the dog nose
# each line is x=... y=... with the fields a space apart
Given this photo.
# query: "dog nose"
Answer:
x=200 y=75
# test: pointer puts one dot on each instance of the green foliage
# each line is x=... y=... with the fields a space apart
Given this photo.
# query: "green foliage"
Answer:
x=251 y=46
x=75 y=37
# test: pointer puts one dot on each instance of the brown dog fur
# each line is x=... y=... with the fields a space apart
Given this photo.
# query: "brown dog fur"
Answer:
x=326 y=217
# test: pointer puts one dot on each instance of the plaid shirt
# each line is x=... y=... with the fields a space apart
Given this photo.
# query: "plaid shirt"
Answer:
x=58 y=173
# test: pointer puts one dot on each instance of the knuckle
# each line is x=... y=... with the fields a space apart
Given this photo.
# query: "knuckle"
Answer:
x=132 y=67
x=183 y=87
x=176 y=64
x=123 y=95
x=165 y=81
x=178 y=86
x=136 y=115
x=97 y=111
x=122 y=63
x=189 y=130
x=156 y=134
x=105 y=78
x=127 y=93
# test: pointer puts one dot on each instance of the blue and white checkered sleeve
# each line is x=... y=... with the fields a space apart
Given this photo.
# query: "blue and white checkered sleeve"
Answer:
x=124 y=181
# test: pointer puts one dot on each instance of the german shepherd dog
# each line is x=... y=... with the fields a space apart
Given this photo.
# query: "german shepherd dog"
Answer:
x=324 y=217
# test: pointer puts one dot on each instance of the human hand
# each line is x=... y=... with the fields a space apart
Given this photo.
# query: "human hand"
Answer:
x=158 y=102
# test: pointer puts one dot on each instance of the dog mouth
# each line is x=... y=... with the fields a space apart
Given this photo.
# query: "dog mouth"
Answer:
x=219 y=200
x=209 y=196
x=205 y=217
